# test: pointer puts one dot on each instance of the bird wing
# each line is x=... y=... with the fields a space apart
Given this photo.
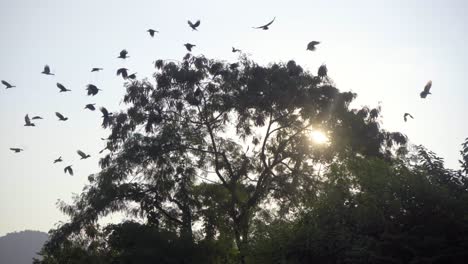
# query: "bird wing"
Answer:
x=428 y=86
x=37 y=117
x=123 y=53
x=269 y=23
x=14 y=149
x=61 y=87
x=6 y=83
x=197 y=23
x=46 y=68
x=59 y=115
x=27 y=120
x=314 y=42
x=104 y=111
x=81 y=153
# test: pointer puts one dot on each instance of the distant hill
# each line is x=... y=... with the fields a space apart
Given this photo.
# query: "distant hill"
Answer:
x=21 y=247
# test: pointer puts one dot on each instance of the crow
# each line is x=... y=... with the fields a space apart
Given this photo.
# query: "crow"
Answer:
x=405 y=116
x=96 y=69
x=123 y=72
x=189 y=46
x=90 y=107
x=123 y=54
x=92 y=89
x=62 y=88
x=322 y=71
x=61 y=117
x=16 y=150
x=311 y=45
x=265 y=27
x=37 y=117
x=46 y=70
x=427 y=89
x=152 y=31
x=132 y=76
x=68 y=169
x=28 y=121
x=235 y=50
x=7 y=84
x=58 y=160
x=82 y=154
x=192 y=25
x=106 y=117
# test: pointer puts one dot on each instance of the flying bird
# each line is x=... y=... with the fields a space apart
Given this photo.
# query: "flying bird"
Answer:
x=46 y=70
x=427 y=89
x=194 y=26
x=37 y=117
x=235 y=50
x=92 y=89
x=132 y=76
x=7 y=84
x=90 y=107
x=58 y=160
x=82 y=154
x=96 y=69
x=61 y=117
x=189 y=46
x=265 y=27
x=123 y=54
x=106 y=117
x=312 y=44
x=405 y=116
x=68 y=169
x=152 y=31
x=62 y=88
x=123 y=72
x=16 y=150
x=322 y=71
x=28 y=121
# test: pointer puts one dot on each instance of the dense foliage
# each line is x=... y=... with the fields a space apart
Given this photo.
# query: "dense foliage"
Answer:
x=216 y=164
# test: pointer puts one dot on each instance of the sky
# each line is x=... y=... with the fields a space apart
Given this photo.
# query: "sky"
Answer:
x=385 y=51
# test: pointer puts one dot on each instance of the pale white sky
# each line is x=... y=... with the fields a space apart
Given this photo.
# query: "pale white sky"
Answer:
x=385 y=51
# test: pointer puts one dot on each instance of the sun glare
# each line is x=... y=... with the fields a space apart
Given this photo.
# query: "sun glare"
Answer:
x=318 y=137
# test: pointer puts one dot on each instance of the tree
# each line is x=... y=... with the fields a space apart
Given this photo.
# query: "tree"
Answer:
x=214 y=142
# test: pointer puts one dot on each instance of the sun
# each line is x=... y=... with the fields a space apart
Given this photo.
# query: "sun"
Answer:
x=318 y=137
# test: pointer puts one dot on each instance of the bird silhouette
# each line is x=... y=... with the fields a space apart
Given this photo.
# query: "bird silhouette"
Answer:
x=46 y=70
x=106 y=117
x=235 y=50
x=427 y=89
x=16 y=150
x=123 y=72
x=312 y=44
x=123 y=54
x=82 y=154
x=96 y=69
x=322 y=71
x=62 y=88
x=68 y=169
x=58 y=160
x=405 y=116
x=90 y=107
x=7 y=84
x=132 y=76
x=152 y=31
x=194 y=26
x=61 y=117
x=28 y=121
x=189 y=46
x=102 y=150
x=37 y=117
x=92 y=89
x=265 y=27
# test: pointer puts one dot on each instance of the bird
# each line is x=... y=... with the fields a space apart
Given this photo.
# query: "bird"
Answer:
x=28 y=121
x=311 y=45
x=68 y=169
x=16 y=150
x=96 y=69
x=123 y=54
x=92 y=89
x=46 y=70
x=61 y=117
x=82 y=154
x=265 y=27
x=62 y=88
x=37 y=117
x=123 y=72
x=427 y=89
x=189 y=46
x=194 y=26
x=7 y=84
x=90 y=107
x=58 y=160
x=152 y=31
x=132 y=76
x=405 y=116
x=102 y=150
x=322 y=70
x=106 y=117
x=235 y=50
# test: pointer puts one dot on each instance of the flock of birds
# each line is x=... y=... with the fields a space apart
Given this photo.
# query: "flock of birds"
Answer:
x=92 y=90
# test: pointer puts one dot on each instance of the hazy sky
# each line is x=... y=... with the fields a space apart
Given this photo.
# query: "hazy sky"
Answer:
x=385 y=51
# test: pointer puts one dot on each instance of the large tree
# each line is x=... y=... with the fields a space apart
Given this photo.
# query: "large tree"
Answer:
x=218 y=143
